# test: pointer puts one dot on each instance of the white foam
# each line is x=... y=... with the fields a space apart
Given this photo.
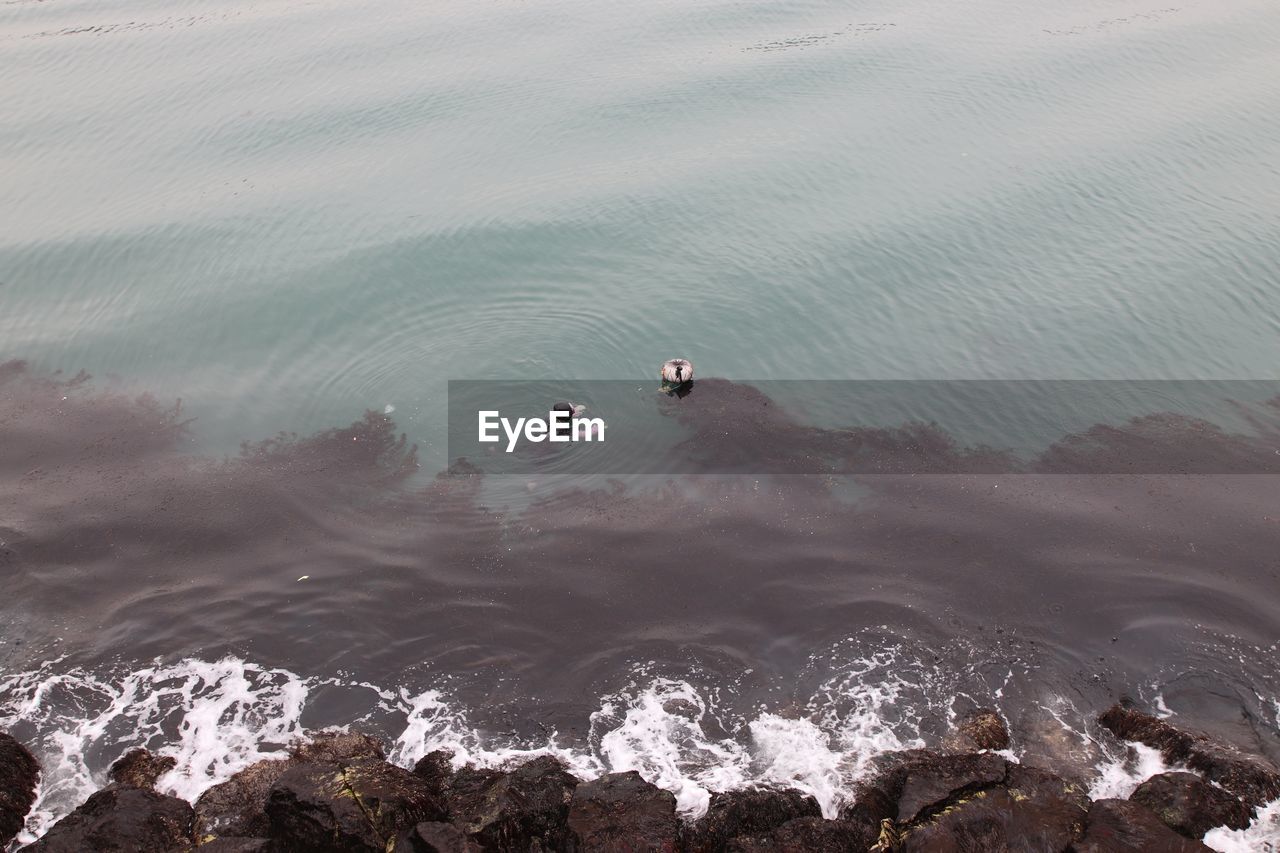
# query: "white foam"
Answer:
x=797 y=754
x=216 y=718
x=432 y=723
x=1120 y=776
x=1261 y=836
x=213 y=718
x=659 y=732
x=867 y=710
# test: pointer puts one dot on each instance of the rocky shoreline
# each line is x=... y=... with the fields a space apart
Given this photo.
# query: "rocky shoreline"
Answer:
x=337 y=792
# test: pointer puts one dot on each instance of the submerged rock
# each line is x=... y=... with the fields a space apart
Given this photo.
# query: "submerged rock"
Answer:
x=1045 y=742
x=1117 y=826
x=333 y=806
x=985 y=729
x=140 y=768
x=1191 y=806
x=341 y=747
x=620 y=813
x=19 y=775
x=1247 y=777
x=522 y=809
x=125 y=819
x=753 y=811
x=803 y=835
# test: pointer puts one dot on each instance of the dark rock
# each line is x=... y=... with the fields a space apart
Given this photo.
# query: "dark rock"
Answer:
x=139 y=768
x=804 y=835
x=436 y=768
x=131 y=820
x=19 y=774
x=230 y=844
x=908 y=784
x=238 y=806
x=985 y=729
x=620 y=813
x=1245 y=776
x=524 y=809
x=1115 y=826
x=432 y=837
x=238 y=844
x=340 y=747
x=752 y=811
x=930 y=783
x=872 y=808
x=1191 y=806
x=1045 y=742
x=1030 y=810
x=331 y=806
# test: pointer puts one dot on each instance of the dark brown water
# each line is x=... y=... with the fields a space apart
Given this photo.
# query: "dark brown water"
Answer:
x=707 y=630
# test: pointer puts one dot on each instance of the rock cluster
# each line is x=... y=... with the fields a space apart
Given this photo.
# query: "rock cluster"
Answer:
x=19 y=773
x=337 y=792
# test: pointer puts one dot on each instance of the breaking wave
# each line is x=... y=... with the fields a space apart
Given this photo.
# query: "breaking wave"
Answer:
x=216 y=717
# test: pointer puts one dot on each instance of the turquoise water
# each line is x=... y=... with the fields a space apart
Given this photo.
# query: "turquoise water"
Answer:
x=286 y=213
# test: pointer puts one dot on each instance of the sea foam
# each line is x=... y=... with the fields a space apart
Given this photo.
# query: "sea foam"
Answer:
x=217 y=717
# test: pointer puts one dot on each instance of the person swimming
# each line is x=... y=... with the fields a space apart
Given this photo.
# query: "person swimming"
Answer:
x=565 y=427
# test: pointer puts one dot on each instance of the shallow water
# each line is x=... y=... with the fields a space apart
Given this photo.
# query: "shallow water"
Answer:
x=288 y=214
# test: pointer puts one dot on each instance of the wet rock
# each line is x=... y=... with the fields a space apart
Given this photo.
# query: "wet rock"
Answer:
x=803 y=835
x=238 y=806
x=1030 y=810
x=622 y=812
x=1191 y=806
x=230 y=844
x=1115 y=826
x=333 y=806
x=1045 y=742
x=908 y=784
x=930 y=783
x=755 y=811
x=341 y=747
x=436 y=769
x=872 y=812
x=432 y=837
x=523 y=809
x=1247 y=777
x=985 y=729
x=19 y=773
x=140 y=768
x=125 y=819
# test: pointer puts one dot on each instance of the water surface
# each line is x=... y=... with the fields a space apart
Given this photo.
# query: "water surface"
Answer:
x=286 y=214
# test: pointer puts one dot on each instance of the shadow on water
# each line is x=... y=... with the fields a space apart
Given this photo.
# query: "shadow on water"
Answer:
x=330 y=553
